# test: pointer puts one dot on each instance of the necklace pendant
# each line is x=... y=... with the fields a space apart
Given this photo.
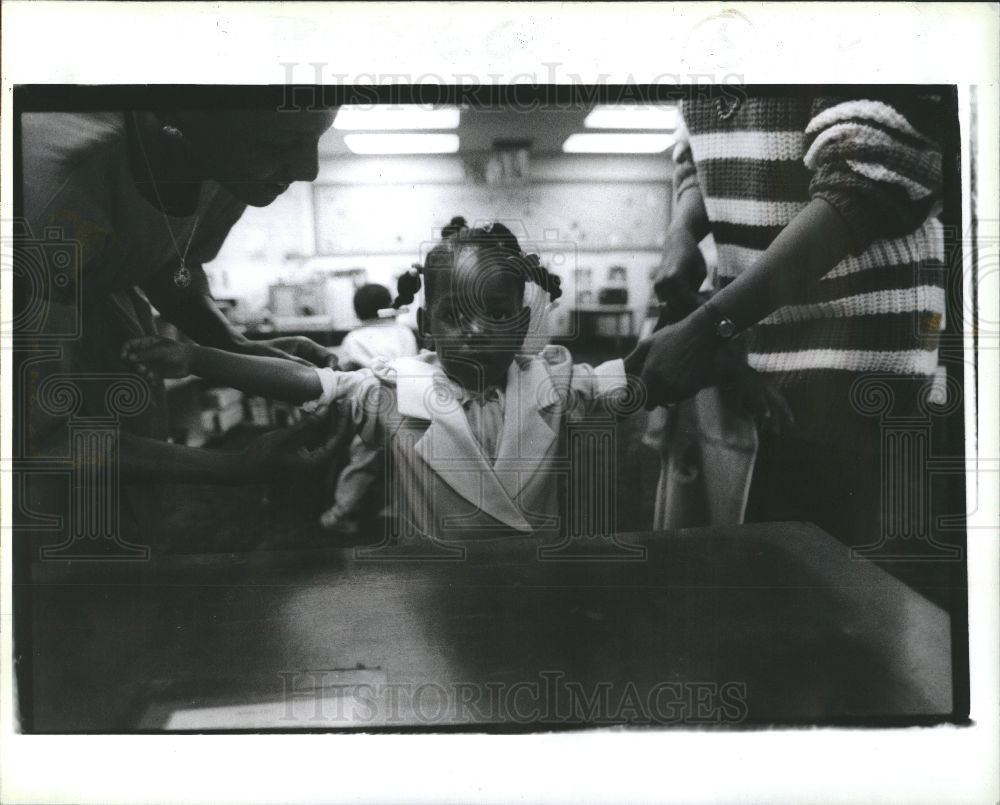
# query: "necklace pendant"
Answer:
x=726 y=110
x=182 y=276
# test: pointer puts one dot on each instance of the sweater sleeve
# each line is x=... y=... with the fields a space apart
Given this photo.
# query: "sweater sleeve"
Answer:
x=877 y=160
x=341 y=386
x=591 y=386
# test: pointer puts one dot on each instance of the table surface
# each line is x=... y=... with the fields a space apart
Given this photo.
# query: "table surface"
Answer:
x=739 y=625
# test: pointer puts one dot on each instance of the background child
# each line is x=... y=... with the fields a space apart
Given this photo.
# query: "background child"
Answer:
x=378 y=337
x=475 y=430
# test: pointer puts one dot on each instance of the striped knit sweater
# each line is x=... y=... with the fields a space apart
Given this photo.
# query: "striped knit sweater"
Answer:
x=876 y=159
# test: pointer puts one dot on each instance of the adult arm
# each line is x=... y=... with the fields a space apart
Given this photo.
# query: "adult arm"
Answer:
x=683 y=358
x=876 y=169
x=682 y=268
x=194 y=312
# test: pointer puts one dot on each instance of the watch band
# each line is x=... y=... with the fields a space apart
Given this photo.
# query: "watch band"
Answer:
x=725 y=328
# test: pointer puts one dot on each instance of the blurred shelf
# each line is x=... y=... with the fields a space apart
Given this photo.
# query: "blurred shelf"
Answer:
x=604 y=309
x=301 y=324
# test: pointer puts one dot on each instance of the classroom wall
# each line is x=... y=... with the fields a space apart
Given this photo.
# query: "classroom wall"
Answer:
x=382 y=213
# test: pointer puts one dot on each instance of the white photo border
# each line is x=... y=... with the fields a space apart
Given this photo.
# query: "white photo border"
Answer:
x=255 y=43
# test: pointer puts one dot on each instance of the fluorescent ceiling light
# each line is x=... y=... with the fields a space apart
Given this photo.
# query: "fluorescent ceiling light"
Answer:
x=395 y=117
x=402 y=143
x=618 y=143
x=632 y=117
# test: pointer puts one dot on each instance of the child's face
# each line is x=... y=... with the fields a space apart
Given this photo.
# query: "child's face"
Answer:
x=477 y=319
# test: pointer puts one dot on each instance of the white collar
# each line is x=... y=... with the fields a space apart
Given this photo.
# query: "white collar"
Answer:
x=422 y=386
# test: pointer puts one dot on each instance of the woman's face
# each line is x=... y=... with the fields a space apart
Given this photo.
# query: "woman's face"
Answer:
x=477 y=320
x=256 y=155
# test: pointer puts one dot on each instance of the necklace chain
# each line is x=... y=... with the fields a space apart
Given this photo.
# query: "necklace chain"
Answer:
x=182 y=276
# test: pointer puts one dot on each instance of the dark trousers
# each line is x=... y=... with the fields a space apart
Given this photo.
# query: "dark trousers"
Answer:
x=834 y=487
x=838 y=486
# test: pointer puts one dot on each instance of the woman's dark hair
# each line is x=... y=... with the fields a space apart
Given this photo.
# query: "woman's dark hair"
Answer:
x=370 y=299
x=495 y=242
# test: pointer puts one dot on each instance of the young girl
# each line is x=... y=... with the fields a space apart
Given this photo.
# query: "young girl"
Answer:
x=475 y=431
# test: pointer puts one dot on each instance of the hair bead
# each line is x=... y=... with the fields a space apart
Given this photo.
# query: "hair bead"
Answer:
x=407 y=286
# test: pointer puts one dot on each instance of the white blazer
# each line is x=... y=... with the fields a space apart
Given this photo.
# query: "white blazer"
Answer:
x=440 y=484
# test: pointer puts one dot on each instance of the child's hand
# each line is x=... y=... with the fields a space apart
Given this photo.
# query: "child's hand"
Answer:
x=154 y=356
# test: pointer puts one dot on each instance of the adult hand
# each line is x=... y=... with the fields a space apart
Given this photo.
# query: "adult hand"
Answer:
x=296 y=348
x=683 y=358
x=155 y=356
x=308 y=446
x=680 y=273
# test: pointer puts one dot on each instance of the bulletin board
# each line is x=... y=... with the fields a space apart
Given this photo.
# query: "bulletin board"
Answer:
x=381 y=219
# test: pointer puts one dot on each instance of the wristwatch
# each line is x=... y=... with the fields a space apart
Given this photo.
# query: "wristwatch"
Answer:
x=725 y=328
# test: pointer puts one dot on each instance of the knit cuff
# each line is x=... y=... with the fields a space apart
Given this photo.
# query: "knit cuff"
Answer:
x=871 y=210
x=610 y=376
x=328 y=382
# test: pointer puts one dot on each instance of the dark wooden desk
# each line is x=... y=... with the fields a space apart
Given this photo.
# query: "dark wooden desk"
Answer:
x=718 y=626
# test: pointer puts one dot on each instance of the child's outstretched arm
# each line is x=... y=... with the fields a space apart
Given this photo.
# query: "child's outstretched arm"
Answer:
x=274 y=378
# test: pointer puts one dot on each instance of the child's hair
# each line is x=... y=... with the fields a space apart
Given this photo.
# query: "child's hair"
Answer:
x=370 y=299
x=495 y=243
x=455 y=225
